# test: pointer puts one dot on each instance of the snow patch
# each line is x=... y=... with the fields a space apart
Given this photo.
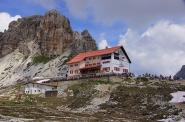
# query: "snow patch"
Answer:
x=42 y=81
x=171 y=120
x=37 y=78
x=178 y=97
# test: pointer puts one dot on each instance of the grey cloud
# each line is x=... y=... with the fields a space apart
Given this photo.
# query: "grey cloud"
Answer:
x=133 y=12
x=48 y=4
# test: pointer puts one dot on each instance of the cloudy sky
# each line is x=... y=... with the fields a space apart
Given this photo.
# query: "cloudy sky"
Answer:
x=152 y=31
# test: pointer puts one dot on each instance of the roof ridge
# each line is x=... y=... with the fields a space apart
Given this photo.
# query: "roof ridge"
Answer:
x=82 y=55
x=101 y=49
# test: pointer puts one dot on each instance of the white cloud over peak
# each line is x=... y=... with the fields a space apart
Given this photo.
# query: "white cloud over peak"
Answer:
x=135 y=13
x=160 y=49
x=5 y=19
x=103 y=44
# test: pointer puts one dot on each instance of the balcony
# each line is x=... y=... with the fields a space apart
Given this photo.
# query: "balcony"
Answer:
x=92 y=65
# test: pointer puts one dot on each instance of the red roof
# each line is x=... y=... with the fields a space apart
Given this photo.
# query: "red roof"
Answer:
x=83 y=55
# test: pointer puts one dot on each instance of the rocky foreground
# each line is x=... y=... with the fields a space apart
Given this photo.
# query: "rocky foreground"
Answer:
x=120 y=100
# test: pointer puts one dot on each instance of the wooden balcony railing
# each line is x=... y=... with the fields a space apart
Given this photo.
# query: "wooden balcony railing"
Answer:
x=92 y=65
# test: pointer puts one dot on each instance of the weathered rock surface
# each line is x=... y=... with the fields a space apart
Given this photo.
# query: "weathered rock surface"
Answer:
x=180 y=74
x=51 y=33
x=14 y=67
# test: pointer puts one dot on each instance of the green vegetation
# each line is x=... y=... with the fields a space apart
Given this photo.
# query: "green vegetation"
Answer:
x=129 y=80
x=40 y=59
x=99 y=81
x=82 y=94
x=71 y=55
x=142 y=79
x=30 y=99
x=149 y=102
x=142 y=102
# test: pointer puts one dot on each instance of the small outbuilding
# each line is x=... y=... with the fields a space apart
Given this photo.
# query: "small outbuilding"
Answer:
x=38 y=88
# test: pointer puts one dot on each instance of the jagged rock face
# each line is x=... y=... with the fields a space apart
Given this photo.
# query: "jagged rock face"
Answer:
x=56 y=32
x=19 y=33
x=83 y=42
x=51 y=34
x=180 y=74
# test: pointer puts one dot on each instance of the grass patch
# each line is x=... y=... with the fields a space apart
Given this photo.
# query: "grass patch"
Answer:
x=37 y=59
x=129 y=80
x=142 y=102
x=143 y=80
x=82 y=94
x=30 y=99
x=99 y=81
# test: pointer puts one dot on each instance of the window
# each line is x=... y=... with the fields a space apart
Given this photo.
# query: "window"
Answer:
x=105 y=62
x=94 y=57
x=125 y=70
x=98 y=64
x=116 y=56
x=35 y=90
x=106 y=69
x=108 y=56
x=71 y=65
x=38 y=90
x=94 y=64
x=76 y=64
x=71 y=72
x=54 y=48
x=76 y=71
x=89 y=58
x=116 y=69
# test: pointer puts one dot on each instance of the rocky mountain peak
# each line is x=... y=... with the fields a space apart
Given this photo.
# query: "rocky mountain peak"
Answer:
x=85 y=33
x=1 y=34
x=180 y=74
x=183 y=67
x=51 y=33
x=48 y=35
x=52 y=12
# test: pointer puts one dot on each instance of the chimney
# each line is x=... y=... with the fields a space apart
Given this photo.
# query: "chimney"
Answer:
x=106 y=47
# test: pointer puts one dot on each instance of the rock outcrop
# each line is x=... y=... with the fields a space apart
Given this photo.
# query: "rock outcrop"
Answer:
x=51 y=34
x=180 y=74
